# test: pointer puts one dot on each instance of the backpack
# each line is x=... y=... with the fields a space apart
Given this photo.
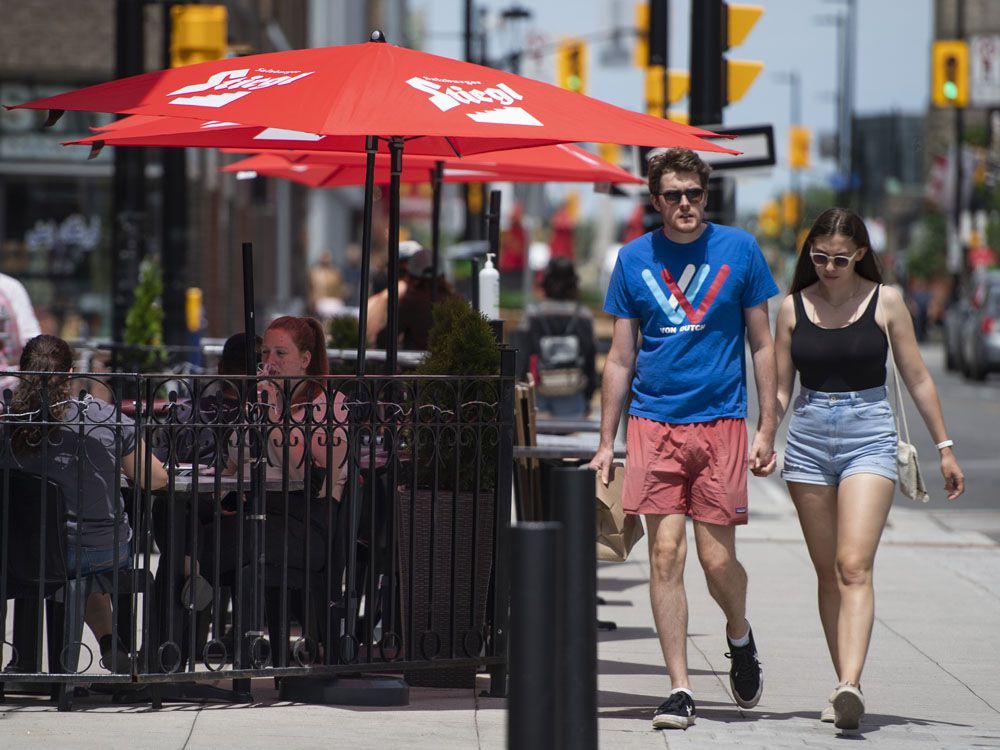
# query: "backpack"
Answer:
x=560 y=359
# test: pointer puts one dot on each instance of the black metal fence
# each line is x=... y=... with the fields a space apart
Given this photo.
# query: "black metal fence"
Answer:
x=268 y=528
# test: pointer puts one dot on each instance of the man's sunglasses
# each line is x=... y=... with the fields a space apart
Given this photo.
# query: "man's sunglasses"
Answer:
x=839 y=261
x=673 y=197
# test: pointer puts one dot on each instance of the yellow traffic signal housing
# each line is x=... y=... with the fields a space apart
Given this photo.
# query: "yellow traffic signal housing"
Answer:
x=799 y=140
x=950 y=76
x=193 y=309
x=740 y=75
x=739 y=20
x=198 y=34
x=609 y=152
x=769 y=219
x=571 y=65
x=680 y=85
x=641 y=57
x=790 y=209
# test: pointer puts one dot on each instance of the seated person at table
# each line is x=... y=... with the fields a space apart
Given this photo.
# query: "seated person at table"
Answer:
x=194 y=435
x=190 y=436
x=69 y=438
x=299 y=420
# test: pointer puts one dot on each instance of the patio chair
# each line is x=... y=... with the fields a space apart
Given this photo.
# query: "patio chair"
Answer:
x=36 y=566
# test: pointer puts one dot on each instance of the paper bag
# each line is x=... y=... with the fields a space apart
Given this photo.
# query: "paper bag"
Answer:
x=617 y=532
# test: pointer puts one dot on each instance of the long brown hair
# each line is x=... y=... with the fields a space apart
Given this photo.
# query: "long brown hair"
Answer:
x=836 y=222
x=307 y=334
x=47 y=356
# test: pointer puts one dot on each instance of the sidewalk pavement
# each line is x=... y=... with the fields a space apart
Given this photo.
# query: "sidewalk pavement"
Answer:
x=932 y=679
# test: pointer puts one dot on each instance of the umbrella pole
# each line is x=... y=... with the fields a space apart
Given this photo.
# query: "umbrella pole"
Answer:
x=392 y=327
x=437 y=176
x=249 y=323
x=371 y=146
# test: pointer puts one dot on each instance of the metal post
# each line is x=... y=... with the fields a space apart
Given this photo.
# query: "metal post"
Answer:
x=501 y=525
x=533 y=708
x=573 y=507
x=174 y=230
x=371 y=147
x=958 y=168
x=437 y=178
x=708 y=92
x=493 y=226
x=707 y=95
x=129 y=193
x=392 y=325
x=659 y=45
x=474 y=283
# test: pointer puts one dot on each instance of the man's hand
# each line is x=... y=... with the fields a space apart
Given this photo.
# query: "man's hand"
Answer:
x=601 y=463
x=763 y=460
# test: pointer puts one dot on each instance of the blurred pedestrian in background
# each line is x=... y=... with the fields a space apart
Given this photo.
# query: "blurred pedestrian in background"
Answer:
x=561 y=344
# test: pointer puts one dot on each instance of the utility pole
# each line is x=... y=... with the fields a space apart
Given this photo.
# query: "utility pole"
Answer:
x=846 y=36
x=958 y=269
x=128 y=205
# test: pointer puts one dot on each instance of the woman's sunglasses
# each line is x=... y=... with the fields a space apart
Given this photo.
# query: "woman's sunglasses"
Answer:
x=839 y=261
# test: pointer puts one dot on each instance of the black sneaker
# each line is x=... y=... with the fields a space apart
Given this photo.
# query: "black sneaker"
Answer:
x=745 y=676
x=676 y=712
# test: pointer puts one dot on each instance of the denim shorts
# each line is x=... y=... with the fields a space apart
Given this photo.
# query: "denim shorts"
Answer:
x=836 y=435
x=97 y=559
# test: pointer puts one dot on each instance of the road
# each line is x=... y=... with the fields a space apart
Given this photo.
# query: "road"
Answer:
x=972 y=413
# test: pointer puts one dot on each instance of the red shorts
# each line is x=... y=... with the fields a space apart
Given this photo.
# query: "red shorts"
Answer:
x=699 y=470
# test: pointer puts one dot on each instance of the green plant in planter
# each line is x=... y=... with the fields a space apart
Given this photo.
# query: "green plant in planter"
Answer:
x=460 y=344
x=342 y=333
x=144 y=319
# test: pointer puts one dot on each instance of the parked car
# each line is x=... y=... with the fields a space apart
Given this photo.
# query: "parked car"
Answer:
x=980 y=337
x=951 y=326
x=958 y=313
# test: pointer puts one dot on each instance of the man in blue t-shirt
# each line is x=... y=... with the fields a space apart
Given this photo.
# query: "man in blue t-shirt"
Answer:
x=694 y=290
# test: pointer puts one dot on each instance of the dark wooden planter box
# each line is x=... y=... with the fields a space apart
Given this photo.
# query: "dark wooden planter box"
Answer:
x=444 y=586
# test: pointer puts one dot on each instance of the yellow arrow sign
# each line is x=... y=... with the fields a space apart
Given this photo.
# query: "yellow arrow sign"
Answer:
x=740 y=75
x=741 y=18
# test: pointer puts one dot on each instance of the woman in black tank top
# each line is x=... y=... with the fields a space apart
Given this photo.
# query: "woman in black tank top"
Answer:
x=835 y=328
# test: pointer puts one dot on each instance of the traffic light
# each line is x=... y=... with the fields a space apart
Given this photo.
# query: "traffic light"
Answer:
x=769 y=219
x=950 y=77
x=571 y=65
x=610 y=152
x=680 y=84
x=198 y=34
x=791 y=209
x=799 y=139
x=739 y=75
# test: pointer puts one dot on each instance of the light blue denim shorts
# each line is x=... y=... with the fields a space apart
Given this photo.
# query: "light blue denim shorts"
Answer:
x=836 y=435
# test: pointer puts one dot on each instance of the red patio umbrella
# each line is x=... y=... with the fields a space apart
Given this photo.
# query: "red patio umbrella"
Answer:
x=371 y=97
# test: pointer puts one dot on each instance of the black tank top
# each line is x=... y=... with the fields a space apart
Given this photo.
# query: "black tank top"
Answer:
x=834 y=360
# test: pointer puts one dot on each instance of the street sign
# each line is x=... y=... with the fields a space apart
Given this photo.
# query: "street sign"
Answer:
x=756 y=142
x=984 y=70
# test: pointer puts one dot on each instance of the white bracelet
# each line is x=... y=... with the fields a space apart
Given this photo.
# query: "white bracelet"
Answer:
x=944 y=444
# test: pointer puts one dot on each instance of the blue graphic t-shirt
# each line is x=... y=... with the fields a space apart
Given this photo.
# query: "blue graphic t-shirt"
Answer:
x=689 y=300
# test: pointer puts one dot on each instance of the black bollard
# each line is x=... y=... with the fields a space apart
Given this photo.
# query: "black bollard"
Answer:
x=534 y=720
x=572 y=504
